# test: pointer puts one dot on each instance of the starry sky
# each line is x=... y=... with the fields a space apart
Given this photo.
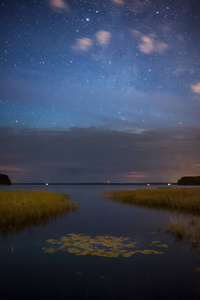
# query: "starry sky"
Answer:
x=92 y=91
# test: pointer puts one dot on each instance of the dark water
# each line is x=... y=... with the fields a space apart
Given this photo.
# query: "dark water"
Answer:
x=27 y=272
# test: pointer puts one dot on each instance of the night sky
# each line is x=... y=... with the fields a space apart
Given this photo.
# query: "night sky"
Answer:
x=92 y=91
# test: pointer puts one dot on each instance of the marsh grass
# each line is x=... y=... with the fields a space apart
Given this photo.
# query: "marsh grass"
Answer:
x=177 y=228
x=188 y=229
x=184 y=199
x=21 y=208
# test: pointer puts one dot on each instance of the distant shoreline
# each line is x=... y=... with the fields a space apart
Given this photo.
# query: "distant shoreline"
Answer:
x=97 y=183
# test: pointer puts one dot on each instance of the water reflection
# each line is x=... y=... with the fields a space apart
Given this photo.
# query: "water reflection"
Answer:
x=34 y=274
x=34 y=222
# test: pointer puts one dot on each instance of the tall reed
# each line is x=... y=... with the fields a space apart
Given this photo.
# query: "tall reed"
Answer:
x=181 y=199
x=19 y=207
x=186 y=228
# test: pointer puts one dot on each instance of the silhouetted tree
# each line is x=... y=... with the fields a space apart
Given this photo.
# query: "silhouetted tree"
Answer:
x=4 y=179
x=189 y=180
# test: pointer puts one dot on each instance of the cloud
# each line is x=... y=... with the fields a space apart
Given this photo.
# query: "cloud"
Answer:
x=137 y=6
x=103 y=37
x=83 y=44
x=120 y=2
x=59 y=5
x=197 y=165
x=149 y=44
x=137 y=175
x=89 y=155
x=165 y=27
x=10 y=168
x=196 y=88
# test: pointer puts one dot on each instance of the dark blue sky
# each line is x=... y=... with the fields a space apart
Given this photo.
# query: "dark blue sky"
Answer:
x=117 y=81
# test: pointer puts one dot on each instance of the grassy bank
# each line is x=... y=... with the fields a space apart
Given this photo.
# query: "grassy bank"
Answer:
x=20 y=207
x=185 y=200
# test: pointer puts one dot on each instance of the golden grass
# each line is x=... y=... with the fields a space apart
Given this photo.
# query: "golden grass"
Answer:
x=188 y=229
x=180 y=199
x=186 y=200
x=21 y=207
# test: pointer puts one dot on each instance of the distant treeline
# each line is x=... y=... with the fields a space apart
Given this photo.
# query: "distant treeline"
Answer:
x=189 y=180
x=5 y=180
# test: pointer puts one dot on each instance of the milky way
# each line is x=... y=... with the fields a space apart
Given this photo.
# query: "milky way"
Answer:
x=116 y=66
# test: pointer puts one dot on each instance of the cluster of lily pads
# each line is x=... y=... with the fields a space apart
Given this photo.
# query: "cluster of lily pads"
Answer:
x=105 y=246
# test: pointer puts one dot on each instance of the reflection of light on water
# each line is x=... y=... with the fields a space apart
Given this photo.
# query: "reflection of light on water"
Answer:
x=106 y=246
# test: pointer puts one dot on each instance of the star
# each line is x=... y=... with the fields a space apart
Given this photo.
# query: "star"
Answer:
x=79 y=63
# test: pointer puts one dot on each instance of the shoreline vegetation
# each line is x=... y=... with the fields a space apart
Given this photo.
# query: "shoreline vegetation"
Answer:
x=5 y=180
x=189 y=180
x=186 y=228
x=94 y=183
x=19 y=209
x=183 y=200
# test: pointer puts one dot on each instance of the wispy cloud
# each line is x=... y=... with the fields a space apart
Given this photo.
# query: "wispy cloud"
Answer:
x=83 y=44
x=137 y=175
x=197 y=165
x=59 y=5
x=196 y=88
x=103 y=37
x=120 y=2
x=149 y=44
x=137 y=6
x=10 y=168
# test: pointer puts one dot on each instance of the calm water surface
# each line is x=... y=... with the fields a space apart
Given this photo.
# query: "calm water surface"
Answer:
x=27 y=272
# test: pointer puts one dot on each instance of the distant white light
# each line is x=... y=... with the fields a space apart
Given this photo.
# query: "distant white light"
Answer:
x=87 y=19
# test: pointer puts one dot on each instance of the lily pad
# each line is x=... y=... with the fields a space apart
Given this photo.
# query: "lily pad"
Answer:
x=104 y=246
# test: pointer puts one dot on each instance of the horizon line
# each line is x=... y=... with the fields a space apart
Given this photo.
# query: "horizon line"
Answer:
x=93 y=183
